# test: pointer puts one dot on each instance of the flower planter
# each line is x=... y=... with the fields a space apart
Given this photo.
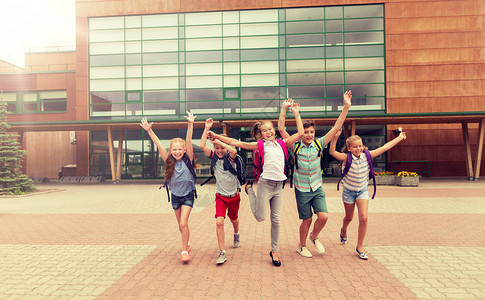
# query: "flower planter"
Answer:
x=407 y=181
x=385 y=180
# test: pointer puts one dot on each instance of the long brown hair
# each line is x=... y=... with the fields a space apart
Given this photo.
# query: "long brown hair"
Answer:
x=170 y=162
x=256 y=132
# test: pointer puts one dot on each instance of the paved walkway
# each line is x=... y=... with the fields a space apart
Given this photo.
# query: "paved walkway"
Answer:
x=105 y=241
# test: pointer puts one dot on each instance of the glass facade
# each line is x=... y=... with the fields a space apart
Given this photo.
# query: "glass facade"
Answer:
x=231 y=65
x=36 y=102
x=236 y=64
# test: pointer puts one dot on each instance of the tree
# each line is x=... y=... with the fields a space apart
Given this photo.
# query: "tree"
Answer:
x=12 y=181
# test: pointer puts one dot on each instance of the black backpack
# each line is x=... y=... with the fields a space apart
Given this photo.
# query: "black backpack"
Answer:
x=189 y=165
x=239 y=172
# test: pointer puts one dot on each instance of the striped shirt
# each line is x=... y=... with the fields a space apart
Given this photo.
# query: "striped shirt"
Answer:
x=358 y=176
x=308 y=176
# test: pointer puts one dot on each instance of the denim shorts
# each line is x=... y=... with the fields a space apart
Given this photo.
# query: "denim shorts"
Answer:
x=351 y=197
x=187 y=200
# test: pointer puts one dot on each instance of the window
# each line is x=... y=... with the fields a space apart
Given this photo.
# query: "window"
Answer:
x=11 y=100
x=230 y=62
x=53 y=101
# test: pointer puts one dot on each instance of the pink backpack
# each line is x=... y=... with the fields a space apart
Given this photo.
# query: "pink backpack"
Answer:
x=258 y=157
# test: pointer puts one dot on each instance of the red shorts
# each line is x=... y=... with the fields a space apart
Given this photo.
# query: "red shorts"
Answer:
x=231 y=204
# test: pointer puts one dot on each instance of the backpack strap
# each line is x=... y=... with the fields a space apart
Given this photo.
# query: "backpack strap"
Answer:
x=189 y=165
x=285 y=152
x=240 y=171
x=283 y=146
x=348 y=162
x=261 y=152
x=319 y=147
x=214 y=159
x=371 y=170
x=227 y=164
x=165 y=185
x=320 y=154
x=296 y=150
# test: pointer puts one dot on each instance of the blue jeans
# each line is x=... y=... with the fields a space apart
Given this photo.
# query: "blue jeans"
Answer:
x=269 y=191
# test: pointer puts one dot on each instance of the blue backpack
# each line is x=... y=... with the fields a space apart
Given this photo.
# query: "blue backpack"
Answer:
x=348 y=162
x=239 y=171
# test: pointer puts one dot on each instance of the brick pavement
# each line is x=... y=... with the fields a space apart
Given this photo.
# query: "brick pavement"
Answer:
x=121 y=241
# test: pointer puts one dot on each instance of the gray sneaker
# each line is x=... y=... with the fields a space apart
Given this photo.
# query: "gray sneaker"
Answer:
x=236 y=241
x=221 y=258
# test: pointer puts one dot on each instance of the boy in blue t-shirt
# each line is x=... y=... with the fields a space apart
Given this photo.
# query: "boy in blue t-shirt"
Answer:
x=228 y=186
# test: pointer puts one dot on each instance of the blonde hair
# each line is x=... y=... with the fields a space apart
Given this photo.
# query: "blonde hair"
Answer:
x=349 y=141
x=170 y=162
x=256 y=131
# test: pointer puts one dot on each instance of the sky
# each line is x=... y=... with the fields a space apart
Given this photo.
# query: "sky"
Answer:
x=33 y=25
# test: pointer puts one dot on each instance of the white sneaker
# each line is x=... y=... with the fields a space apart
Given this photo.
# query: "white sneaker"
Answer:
x=303 y=251
x=318 y=246
x=221 y=258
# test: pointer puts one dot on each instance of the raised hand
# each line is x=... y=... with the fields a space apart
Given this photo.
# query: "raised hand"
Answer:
x=403 y=135
x=208 y=123
x=145 y=125
x=190 y=117
x=295 y=107
x=211 y=135
x=287 y=103
x=347 y=98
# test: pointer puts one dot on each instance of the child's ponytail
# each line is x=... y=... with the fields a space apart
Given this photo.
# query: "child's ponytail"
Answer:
x=256 y=131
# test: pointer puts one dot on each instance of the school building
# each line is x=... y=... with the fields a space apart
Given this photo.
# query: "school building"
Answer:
x=413 y=64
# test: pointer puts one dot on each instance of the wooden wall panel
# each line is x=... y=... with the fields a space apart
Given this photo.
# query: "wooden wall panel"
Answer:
x=50 y=61
x=443 y=88
x=217 y=5
x=432 y=8
x=52 y=81
x=6 y=67
x=18 y=82
x=436 y=24
x=82 y=154
x=435 y=104
x=299 y=3
x=47 y=152
x=435 y=72
x=91 y=8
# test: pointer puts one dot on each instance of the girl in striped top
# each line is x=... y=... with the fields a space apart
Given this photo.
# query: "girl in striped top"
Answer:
x=355 y=182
